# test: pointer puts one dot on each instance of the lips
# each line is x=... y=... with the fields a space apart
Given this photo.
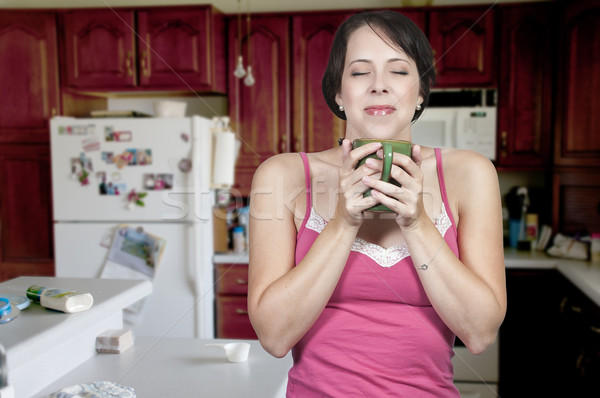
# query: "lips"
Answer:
x=379 y=110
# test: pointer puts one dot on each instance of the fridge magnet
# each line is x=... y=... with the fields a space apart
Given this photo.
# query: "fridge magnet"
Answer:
x=144 y=157
x=132 y=156
x=108 y=157
x=111 y=135
x=158 y=182
x=137 y=249
x=90 y=144
x=185 y=137
x=122 y=159
x=116 y=189
x=101 y=177
x=135 y=199
x=81 y=168
x=77 y=130
x=185 y=165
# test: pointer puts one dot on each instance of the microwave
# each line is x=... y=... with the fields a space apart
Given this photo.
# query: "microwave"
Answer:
x=464 y=119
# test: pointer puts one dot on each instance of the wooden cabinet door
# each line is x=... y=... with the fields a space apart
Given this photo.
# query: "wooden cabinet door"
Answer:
x=578 y=120
x=99 y=50
x=260 y=114
x=26 y=238
x=315 y=127
x=28 y=76
x=463 y=41
x=576 y=200
x=177 y=48
x=525 y=85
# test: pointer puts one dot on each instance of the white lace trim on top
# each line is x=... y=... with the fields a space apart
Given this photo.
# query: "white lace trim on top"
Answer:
x=382 y=256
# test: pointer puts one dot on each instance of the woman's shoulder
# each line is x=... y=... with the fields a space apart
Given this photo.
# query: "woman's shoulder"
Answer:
x=283 y=167
x=468 y=173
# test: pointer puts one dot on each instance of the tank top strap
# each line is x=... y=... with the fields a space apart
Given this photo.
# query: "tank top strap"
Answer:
x=308 y=192
x=440 y=173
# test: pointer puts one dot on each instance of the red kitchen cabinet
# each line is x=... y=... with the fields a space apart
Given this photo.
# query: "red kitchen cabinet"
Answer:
x=182 y=48
x=99 y=48
x=577 y=138
x=260 y=114
x=26 y=239
x=525 y=85
x=28 y=76
x=463 y=41
x=315 y=127
x=232 y=320
x=178 y=48
x=576 y=200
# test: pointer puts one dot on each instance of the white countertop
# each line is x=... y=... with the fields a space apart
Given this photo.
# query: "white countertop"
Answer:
x=174 y=367
x=43 y=344
x=583 y=274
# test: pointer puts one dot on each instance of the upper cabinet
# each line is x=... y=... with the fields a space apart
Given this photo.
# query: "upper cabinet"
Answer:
x=181 y=48
x=578 y=100
x=28 y=76
x=99 y=48
x=177 y=49
x=525 y=85
x=463 y=41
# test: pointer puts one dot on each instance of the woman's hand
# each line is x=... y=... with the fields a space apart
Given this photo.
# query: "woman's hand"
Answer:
x=351 y=203
x=406 y=201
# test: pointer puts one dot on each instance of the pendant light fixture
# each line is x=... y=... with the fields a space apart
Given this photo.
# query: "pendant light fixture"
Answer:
x=249 y=80
x=239 y=70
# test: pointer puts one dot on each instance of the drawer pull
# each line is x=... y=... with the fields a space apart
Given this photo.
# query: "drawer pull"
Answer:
x=241 y=281
x=240 y=311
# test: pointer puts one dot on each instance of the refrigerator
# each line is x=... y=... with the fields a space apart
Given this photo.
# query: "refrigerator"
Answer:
x=132 y=198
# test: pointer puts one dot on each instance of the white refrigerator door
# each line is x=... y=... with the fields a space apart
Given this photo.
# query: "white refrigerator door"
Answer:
x=161 y=146
x=182 y=301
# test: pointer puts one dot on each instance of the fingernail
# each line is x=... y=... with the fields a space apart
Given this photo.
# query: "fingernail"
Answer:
x=366 y=179
x=370 y=162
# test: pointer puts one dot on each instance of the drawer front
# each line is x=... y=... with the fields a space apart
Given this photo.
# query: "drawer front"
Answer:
x=232 y=318
x=232 y=278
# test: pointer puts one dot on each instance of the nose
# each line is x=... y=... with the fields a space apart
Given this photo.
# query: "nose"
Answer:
x=379 y=85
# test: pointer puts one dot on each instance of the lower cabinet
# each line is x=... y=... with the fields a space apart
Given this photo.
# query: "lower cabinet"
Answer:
x=232 y=320
x=550 y=338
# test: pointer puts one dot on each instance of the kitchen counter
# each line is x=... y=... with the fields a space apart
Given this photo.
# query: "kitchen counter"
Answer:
x=173 y=367
x=43 y=345
x=583 y=274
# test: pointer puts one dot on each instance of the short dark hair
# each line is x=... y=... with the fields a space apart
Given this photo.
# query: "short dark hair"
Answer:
x=391 y=26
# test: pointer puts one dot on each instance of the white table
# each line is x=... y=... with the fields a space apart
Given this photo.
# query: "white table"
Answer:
x=180 y=367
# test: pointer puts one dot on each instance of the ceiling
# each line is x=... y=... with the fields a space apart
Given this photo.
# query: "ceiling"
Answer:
x=232 y=6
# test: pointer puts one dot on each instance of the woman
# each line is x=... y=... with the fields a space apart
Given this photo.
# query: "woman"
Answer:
x=370 y=303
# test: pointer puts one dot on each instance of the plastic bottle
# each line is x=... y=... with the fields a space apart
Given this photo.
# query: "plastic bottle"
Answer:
x=595 y=248
x=61 y=300
x=239 y=241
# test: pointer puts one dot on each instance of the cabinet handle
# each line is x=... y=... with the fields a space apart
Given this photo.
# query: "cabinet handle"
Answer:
x=53 y=112
x=128 y=63
x=503 y=143
x=145 y=63
x=240 y=311
x=241 y=281
x=282 y=143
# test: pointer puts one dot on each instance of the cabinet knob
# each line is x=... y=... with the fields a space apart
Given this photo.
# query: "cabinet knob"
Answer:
x=241 y=281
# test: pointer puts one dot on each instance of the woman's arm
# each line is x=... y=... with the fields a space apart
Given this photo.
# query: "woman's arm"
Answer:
x=469 y=293
x=285 y=300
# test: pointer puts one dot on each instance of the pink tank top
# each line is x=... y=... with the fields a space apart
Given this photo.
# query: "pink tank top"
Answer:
x=378 y=334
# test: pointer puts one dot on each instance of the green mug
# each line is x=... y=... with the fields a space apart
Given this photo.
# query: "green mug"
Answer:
x=388 y=147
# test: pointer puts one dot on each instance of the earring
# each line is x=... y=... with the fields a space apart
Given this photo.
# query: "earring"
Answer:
x=341 y=108
x=418 y=107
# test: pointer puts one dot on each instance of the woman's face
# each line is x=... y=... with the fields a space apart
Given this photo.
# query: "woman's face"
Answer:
x=380 y=88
